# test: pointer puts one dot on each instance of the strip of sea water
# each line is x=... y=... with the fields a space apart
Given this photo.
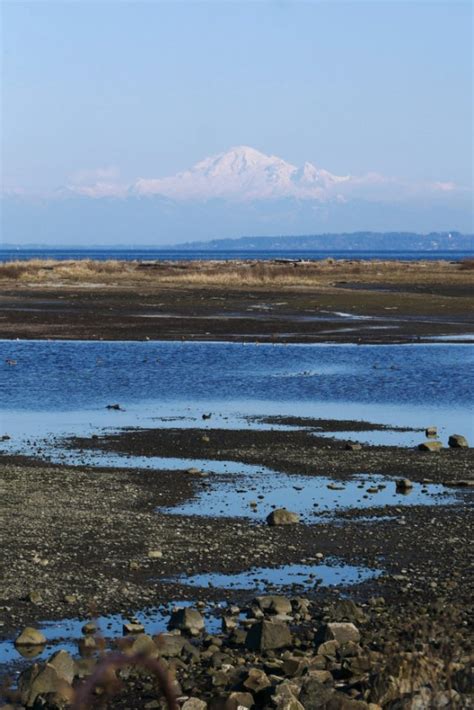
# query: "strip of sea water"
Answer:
x=57 y=388
x=136 y=253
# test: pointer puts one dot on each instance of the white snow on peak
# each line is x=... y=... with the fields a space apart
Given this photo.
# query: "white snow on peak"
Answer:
x=243 y=173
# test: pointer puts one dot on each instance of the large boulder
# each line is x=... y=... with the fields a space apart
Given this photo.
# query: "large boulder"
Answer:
x=458 y=441
x=64 y=665
x=42 y=680
x=188 y=620
x=266 y=635
x=282 y=516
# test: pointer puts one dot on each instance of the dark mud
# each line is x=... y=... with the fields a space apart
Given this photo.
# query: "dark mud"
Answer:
x=299 y=452
x=326 y=314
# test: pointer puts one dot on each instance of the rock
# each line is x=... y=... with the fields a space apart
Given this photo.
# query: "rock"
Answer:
x=457 y=441
x=89 y=628
x=30 y=637
x=347 y=610
x=284 y=697
x=353 y=446
x=42 y=679
x=205 y=439
x=187 y=619
x=281 y=516
x=30 y=651
x=87 y=645
x=34 y=597
x=155 y=554
x=70 y=599
x=328 y=649
x=169 y=645
x=64 y=665
x=314 y=694
x=266 y=635
x=403 y=484
x=194 y=704
x=435 y=700
x=229 y=623
x=294 y=666
x=274 y=604
x=193 y=471
x=142 y=644
x=256 y=681
x=133 y=627
x=321 y=676
x=339 y=701
x=342 y=632
x=117 y=407
x=235 y=700
x=430 y=446
x=431 y=431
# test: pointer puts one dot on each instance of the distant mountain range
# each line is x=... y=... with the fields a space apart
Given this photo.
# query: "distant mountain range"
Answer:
x=240 y=191
x=330 y=243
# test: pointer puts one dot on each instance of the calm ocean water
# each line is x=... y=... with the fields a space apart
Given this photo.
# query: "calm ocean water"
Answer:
x=177 y=255
x=57 y=386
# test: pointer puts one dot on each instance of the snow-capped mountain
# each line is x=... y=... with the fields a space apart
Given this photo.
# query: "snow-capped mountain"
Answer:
x=243 y=173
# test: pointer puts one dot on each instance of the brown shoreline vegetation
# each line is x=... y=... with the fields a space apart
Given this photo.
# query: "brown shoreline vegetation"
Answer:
x=283 y=301
x=238 y=272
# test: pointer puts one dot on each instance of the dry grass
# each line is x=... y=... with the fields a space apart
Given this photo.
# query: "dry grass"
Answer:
x=49 y=269
x=466 y=264
x=231 y=273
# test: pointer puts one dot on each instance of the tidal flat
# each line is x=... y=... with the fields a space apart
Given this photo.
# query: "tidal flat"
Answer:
x=243 y=300
x=138 y=475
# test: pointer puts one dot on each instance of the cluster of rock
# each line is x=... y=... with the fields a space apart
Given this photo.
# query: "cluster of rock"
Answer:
x=276 y=655
x=455 y=441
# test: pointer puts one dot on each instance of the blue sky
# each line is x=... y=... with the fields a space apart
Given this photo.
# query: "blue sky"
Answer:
x=149 y=88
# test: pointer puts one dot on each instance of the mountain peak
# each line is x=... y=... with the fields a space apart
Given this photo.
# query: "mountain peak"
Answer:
x=242 y=173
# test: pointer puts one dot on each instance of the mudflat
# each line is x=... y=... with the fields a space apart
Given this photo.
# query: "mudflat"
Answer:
x=331 y=300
